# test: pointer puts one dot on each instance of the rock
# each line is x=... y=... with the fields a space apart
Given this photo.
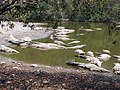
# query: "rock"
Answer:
x=31 y=80
x=34 y=65
x=15 y=67
x=8 y=82
x=19 y=63
x=38 y=70
x=3 y=62
x=46 y=81
x=13 y=75
x=13 y=62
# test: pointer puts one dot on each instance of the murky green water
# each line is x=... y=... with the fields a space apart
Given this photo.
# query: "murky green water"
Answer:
x=96 y=41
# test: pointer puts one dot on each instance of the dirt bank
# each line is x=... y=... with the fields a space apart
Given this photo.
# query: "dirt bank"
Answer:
x=17 y=76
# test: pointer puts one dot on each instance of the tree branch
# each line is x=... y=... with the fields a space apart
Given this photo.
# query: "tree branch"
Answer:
x=7 y=6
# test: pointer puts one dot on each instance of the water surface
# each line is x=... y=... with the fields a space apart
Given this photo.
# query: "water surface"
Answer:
x=95 y=41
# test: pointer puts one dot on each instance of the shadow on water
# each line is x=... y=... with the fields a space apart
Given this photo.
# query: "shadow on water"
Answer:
x=96 y=41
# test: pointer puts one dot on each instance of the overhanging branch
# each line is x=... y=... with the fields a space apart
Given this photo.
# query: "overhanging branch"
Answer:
x=7 y=5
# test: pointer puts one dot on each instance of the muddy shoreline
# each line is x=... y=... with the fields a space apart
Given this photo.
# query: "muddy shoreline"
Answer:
x=20 y=76
x=19 y=32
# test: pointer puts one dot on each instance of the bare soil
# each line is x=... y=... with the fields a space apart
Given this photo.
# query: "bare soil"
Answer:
x=19 y=76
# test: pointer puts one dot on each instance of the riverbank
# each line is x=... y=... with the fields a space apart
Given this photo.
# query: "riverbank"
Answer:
x=19 y=31
x=19 y=76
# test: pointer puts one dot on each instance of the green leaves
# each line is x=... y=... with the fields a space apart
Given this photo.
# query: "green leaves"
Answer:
x=78 y=10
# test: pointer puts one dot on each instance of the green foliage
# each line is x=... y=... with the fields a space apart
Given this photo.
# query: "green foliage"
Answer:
x=115 y=13
x=78 y=10
x=92 y=10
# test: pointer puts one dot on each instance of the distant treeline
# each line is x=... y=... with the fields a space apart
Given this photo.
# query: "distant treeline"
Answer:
x=74 y=10
x=78 y=10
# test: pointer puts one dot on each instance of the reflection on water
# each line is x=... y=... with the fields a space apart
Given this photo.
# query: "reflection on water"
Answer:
x=96 y=41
